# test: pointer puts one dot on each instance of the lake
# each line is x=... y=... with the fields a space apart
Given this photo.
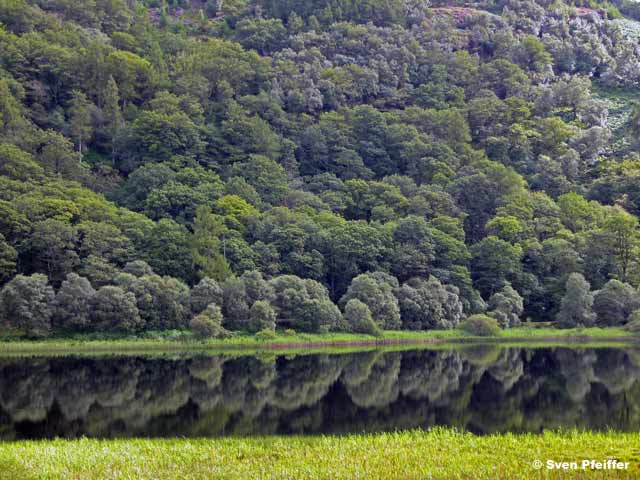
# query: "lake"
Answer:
x=483 y=389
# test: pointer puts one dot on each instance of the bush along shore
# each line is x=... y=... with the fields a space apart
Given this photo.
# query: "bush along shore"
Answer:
x=285 y=340
x=439 y=454
x=141 y=302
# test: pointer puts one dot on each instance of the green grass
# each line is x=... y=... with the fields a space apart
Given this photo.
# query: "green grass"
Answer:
x=595 y=332
x=307 y=342
x=440 y=454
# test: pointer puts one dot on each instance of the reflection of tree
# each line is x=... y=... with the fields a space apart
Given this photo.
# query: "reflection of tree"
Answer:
x=161 y=390
x=27 y=392
x=381 y=385
x=481 y=355
x=305 y=380
x=430 y=375
x=577 y=369
x=615 y=371
x=74 y=402
x=484 y=390
x=115 y=383
x=239 y=394
x=207 y=369
x=7 y=433
x=508 y=369
x=359 y=367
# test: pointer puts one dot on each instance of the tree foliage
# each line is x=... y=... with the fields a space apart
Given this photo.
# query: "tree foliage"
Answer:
x=359 y=319
x=577 y=304
x=306 y=154
x=26 y=303
x=208 y=323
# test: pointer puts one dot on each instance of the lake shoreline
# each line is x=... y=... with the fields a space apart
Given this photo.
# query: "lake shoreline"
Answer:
x=320 y=342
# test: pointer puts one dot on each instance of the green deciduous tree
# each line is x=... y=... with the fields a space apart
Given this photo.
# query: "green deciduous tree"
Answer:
x=317 y=315
x=494 y=262
x=114 y=310
x=208 y=324
x=262 y=316
x=304 y=304
x=167 y=248
x=266 y=176
x=415 y=253
x=53 y=248
x=358 y=318
x=507 y=228
x=130 y=72
x=614 y=302
x=25 y=302
x=206 y=292
x=72 y=305
x=163 y=302
x=506 y=306
x=577 y=304
x=427 y=304
x=239 y=296
x=8 y=258
x=354 y=247
x=159 y=136
x=236 y=304
x=57 y=157
x=207 y=248
x=622 y=228
x=114 y=122
x=80 y=127
x=378 y=291
x=18 y=164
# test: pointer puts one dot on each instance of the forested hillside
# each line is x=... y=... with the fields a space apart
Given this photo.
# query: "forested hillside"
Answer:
x=326 y=165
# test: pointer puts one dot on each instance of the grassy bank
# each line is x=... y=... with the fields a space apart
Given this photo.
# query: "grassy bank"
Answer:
x=310 y=342
x=440 y=453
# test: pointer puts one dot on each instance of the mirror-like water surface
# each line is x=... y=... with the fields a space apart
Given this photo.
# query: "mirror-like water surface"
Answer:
x=482 y=389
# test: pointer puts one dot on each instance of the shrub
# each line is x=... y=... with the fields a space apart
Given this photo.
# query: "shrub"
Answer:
x=358 y=317
x=209 y=323
x=634 y=322
x=266 y=335
x=289 y=332
x=262 y=316
x=481 y=326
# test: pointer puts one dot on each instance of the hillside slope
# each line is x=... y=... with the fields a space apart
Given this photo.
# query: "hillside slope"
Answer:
x=429 y=161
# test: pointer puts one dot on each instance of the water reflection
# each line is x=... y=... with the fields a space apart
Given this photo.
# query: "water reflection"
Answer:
x=481 y=389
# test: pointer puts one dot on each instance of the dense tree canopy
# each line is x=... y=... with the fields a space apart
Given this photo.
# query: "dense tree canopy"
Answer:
x=278 y=158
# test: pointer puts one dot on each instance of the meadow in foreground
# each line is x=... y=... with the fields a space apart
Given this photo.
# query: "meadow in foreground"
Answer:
x=438 y=453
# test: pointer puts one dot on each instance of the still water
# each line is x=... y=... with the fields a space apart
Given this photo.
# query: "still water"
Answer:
x=482 y=389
